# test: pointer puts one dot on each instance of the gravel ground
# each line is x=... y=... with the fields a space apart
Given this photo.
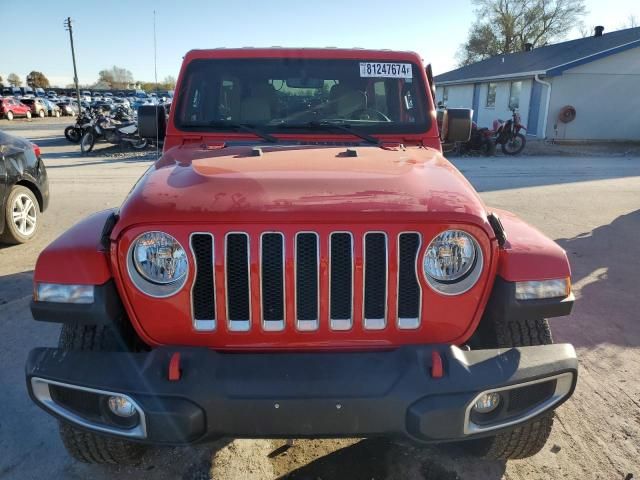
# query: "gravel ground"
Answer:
x=590 y=206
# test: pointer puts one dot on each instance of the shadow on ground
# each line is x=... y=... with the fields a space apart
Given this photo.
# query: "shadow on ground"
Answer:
x=383 y=459
x=604 y=265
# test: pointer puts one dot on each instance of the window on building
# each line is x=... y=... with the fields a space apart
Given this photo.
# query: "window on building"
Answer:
x=491 y=94
x=514 y=95
x=445 y=94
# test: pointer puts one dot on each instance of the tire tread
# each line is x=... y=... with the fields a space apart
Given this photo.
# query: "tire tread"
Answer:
x=86 y=446
x=528 y=439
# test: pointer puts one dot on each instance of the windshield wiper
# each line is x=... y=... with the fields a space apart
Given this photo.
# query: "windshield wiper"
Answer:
x=241 y=126
x=330 y=125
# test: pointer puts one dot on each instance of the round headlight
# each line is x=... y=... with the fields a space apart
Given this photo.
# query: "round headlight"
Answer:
x=452 y=262
x=159 y=258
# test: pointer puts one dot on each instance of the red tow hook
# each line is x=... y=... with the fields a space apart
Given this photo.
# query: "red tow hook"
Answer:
x=174 y=367
x=437 y=370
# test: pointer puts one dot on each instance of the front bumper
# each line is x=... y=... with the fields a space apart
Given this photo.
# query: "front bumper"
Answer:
x=271 y=395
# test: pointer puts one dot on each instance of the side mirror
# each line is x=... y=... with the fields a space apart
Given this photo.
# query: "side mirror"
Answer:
x=456 y=125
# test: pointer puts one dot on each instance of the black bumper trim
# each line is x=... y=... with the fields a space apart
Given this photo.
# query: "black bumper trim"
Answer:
x=275 y=395
x=106 y=308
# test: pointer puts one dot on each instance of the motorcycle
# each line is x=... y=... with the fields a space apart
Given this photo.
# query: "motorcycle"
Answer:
x=481 y=140
x=508 y=136
x=74 y=133
x=118 y=134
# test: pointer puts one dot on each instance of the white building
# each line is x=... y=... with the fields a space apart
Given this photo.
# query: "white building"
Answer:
x=598 y=76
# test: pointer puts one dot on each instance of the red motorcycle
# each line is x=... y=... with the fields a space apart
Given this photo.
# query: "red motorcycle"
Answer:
x=508 y=136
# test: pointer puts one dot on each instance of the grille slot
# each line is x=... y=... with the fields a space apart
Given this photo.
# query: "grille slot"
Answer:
x=203 y=300
x=307 y=260
x=237 y=276
x=341 y=281
x=272 y=281
x=375 y=280
x=409 y=291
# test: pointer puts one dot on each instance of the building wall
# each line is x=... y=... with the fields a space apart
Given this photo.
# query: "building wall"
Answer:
x=486 y=115
x=462 y=96
x=606 y=96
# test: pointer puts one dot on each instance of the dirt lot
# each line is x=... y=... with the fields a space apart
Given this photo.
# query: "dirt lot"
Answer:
x=591 y=206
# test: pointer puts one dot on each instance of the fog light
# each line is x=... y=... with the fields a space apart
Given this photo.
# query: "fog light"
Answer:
x=122 y=407
x=488 y=402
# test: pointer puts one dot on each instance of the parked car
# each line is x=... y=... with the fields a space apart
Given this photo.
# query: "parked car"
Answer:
x=11 y=107
x=311 y=269
x=68 y=107
x=38 y=107
x=24 y=189
x=26 y=91
x=86 y=95
x=39 y=92
x=53 y=110
x=52 y=94
x=11 y=92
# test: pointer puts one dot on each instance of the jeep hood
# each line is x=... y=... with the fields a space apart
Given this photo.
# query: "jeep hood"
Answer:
x=301 y=184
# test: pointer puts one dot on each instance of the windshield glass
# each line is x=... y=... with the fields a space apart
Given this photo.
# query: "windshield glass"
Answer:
x=278 y=94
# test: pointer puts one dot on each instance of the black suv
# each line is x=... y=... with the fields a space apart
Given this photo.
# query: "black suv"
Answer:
x=24 y=189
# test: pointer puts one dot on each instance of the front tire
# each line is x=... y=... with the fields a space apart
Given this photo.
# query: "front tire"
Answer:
x=42 y=114
x=528 y=439
x=87 y=142
x=89 y=447
x=9 y=115
x=72 y=134
x=515 y=145
x=28 y=115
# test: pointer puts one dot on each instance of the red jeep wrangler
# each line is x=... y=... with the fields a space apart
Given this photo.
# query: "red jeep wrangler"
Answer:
x=302 y=262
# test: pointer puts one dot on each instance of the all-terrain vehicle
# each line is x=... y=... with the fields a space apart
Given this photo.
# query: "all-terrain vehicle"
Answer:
x=302 y=261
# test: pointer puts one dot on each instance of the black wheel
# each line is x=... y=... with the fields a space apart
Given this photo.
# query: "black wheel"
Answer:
x=141 y=144
x=86 y=446
x=87 y=142
x=528 y=439
x=515 y=145
x=72 y=134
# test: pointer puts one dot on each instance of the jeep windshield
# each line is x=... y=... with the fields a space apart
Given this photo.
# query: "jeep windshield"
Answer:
x=303 y=95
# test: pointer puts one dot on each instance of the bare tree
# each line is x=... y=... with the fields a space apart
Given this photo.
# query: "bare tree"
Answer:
x=169 y=82
x=116 y=77
x=505 y=26
x=632 y=22
x=14 y=80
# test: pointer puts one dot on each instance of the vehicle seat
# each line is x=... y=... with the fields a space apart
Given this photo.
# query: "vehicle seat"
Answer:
x=346 y=100
x=257 y=106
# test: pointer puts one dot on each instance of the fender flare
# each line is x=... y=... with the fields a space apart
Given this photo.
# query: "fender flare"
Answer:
x=528 y=254
x=78 y=256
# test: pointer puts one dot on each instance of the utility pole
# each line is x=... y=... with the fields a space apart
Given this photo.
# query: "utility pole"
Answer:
x=67 y=25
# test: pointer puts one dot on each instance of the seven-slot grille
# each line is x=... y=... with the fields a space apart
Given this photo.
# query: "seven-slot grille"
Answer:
x=306 y=281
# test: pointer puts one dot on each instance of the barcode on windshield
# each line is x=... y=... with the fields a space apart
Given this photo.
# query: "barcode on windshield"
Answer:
x=385 y=70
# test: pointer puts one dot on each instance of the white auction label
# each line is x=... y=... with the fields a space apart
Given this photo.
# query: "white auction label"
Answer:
x=385 y=70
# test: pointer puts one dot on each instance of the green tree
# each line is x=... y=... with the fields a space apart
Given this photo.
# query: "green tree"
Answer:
x=37 y=79
x=505 y=26
x=14 y=80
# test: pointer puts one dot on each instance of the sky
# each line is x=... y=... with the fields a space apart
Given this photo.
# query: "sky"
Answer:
x=120 y=32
